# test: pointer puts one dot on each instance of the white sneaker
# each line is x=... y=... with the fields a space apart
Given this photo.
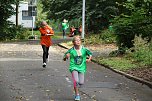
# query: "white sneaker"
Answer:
x=44 y=65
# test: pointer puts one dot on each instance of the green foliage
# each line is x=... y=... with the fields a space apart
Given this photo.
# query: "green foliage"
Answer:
x=6 y=11
x=142 y=51
x=12 y=32
x=56 y=25
x=136 y=21
x=43 y=16
x=40 y=14
x=104 y=37
x=8 y=30
x=107 y=36
x=118 y=63
x=75 y=22
x=21 y=33
x=93 y=39
x=36 y=34
x=98 y=13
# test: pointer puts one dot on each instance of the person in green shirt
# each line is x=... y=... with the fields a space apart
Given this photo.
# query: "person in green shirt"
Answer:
x=110 y=27
x=78 y=55
x=65 y=26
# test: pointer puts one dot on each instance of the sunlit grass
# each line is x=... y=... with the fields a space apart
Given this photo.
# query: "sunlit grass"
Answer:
x=118 y=63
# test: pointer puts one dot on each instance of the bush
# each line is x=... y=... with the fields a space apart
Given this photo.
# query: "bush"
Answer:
x=12 y=32
x=105 y=36
x=137 y=21
x=22 y=33
x=108 y=36
x=93 y=39
x=31 y=37
x=6 y=32
x=142 y=51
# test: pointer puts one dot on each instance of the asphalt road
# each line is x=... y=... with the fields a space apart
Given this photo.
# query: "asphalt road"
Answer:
x=22 y=78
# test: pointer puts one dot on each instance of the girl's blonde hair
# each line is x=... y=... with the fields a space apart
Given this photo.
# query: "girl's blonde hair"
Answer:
x=77 y=36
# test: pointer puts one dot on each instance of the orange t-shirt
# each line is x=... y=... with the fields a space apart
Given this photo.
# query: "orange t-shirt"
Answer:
x=46 y=39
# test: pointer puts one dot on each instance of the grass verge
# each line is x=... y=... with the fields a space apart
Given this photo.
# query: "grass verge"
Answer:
x=118 y=63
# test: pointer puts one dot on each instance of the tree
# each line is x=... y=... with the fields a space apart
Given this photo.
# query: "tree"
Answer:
x=40 y=14
x=135 y=19
x=8 y=29
x=98 y=13
x=6 y=11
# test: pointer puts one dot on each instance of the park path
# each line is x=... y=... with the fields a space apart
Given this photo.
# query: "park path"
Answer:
x=22 y=78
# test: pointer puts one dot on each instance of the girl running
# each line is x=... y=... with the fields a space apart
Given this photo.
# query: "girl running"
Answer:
x=78 y=58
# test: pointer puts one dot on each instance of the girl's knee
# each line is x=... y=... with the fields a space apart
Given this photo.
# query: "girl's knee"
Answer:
x=78 y=84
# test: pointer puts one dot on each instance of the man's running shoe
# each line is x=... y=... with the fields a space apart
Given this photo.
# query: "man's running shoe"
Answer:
x=44 y=65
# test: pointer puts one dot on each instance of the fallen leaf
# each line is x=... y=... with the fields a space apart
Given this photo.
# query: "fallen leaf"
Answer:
x=93 y=96
x=47 y=90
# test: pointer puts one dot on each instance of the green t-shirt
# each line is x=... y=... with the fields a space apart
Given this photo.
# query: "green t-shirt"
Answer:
x=64 y=26
x=111 y=28
x=78 y=61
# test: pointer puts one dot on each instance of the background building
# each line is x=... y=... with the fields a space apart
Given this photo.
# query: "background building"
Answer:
x=27 y=14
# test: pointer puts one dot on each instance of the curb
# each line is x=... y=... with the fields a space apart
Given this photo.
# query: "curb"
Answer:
x=149 y=84
x=62 y=46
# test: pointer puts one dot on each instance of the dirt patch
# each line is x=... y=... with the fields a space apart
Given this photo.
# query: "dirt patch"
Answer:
x=101 y=47
x=144 y=73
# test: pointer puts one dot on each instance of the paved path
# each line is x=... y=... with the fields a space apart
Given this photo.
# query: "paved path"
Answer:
x=22 y=78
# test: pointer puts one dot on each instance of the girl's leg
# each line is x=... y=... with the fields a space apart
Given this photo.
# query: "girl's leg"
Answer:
x=75 y=81
x=81 y=78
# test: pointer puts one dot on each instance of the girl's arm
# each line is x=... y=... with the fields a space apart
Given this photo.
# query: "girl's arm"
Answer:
x=89 y=59
x=89 y=54
x=66 y=55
